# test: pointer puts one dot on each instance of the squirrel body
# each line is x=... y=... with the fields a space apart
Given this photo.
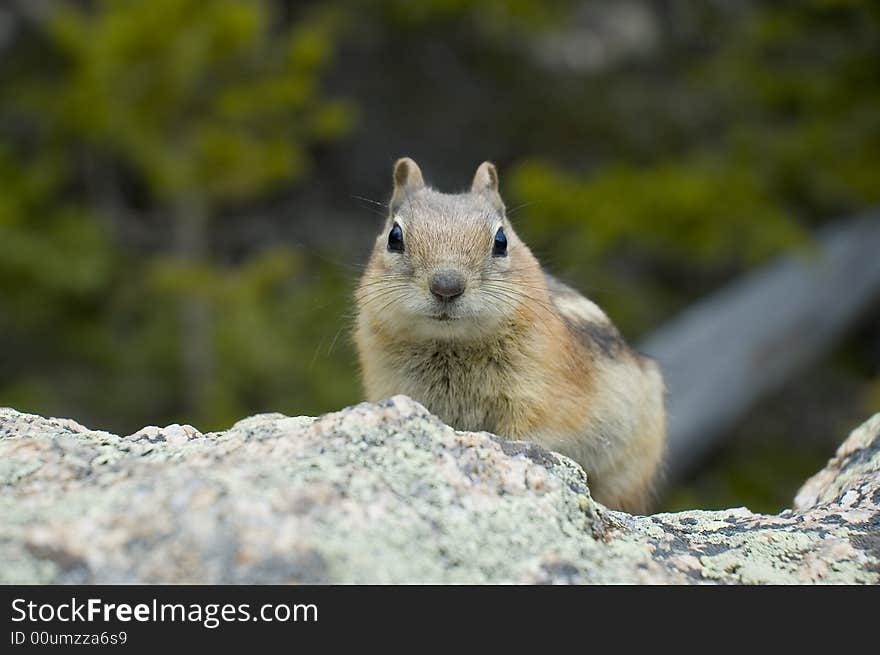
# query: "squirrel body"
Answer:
x=456 y=312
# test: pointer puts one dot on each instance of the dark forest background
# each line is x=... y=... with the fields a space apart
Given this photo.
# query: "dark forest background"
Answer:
x=188 y=189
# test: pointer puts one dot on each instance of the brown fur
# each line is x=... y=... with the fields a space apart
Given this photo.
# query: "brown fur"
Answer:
x=519 y=354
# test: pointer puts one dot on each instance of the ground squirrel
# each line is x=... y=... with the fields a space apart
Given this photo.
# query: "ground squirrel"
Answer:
x=455 y=311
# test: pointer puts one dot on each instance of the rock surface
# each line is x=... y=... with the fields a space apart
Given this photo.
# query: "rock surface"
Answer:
x=386 y=493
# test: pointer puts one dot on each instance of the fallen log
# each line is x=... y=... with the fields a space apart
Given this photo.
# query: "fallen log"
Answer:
x=744 y=342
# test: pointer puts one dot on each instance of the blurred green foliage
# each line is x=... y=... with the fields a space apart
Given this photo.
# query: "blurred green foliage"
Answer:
x=136 y=136
x=197 y=106
x=199 y=98
x=782 y=132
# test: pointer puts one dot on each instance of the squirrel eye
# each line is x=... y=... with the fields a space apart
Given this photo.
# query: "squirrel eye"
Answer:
x=395 y=239
x=499 y=248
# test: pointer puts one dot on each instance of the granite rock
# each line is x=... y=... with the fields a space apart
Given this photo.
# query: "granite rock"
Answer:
x=386 y=493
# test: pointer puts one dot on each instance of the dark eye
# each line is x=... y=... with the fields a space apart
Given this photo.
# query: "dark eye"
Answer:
x=499 y=248
x=395 y=239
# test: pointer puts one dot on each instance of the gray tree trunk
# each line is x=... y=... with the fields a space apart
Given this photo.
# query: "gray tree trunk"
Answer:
x=196 y=329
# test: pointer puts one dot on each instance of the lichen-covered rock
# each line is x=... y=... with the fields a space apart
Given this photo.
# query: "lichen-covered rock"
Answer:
x=386 y=493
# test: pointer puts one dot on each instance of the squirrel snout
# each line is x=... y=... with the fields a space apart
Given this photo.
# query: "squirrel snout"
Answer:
x=447 y=285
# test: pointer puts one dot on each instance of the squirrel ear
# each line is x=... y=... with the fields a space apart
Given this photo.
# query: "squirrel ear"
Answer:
x=407 y=177
x=485 y=179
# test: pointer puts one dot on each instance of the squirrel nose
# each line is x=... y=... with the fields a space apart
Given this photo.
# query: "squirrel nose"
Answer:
x=447 y=285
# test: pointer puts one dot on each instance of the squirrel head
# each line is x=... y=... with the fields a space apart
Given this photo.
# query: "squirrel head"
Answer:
x=448 y=266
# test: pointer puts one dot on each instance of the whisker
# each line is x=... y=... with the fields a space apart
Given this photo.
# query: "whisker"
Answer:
x=369 y=200
x=522 y=206
x=516 y=294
